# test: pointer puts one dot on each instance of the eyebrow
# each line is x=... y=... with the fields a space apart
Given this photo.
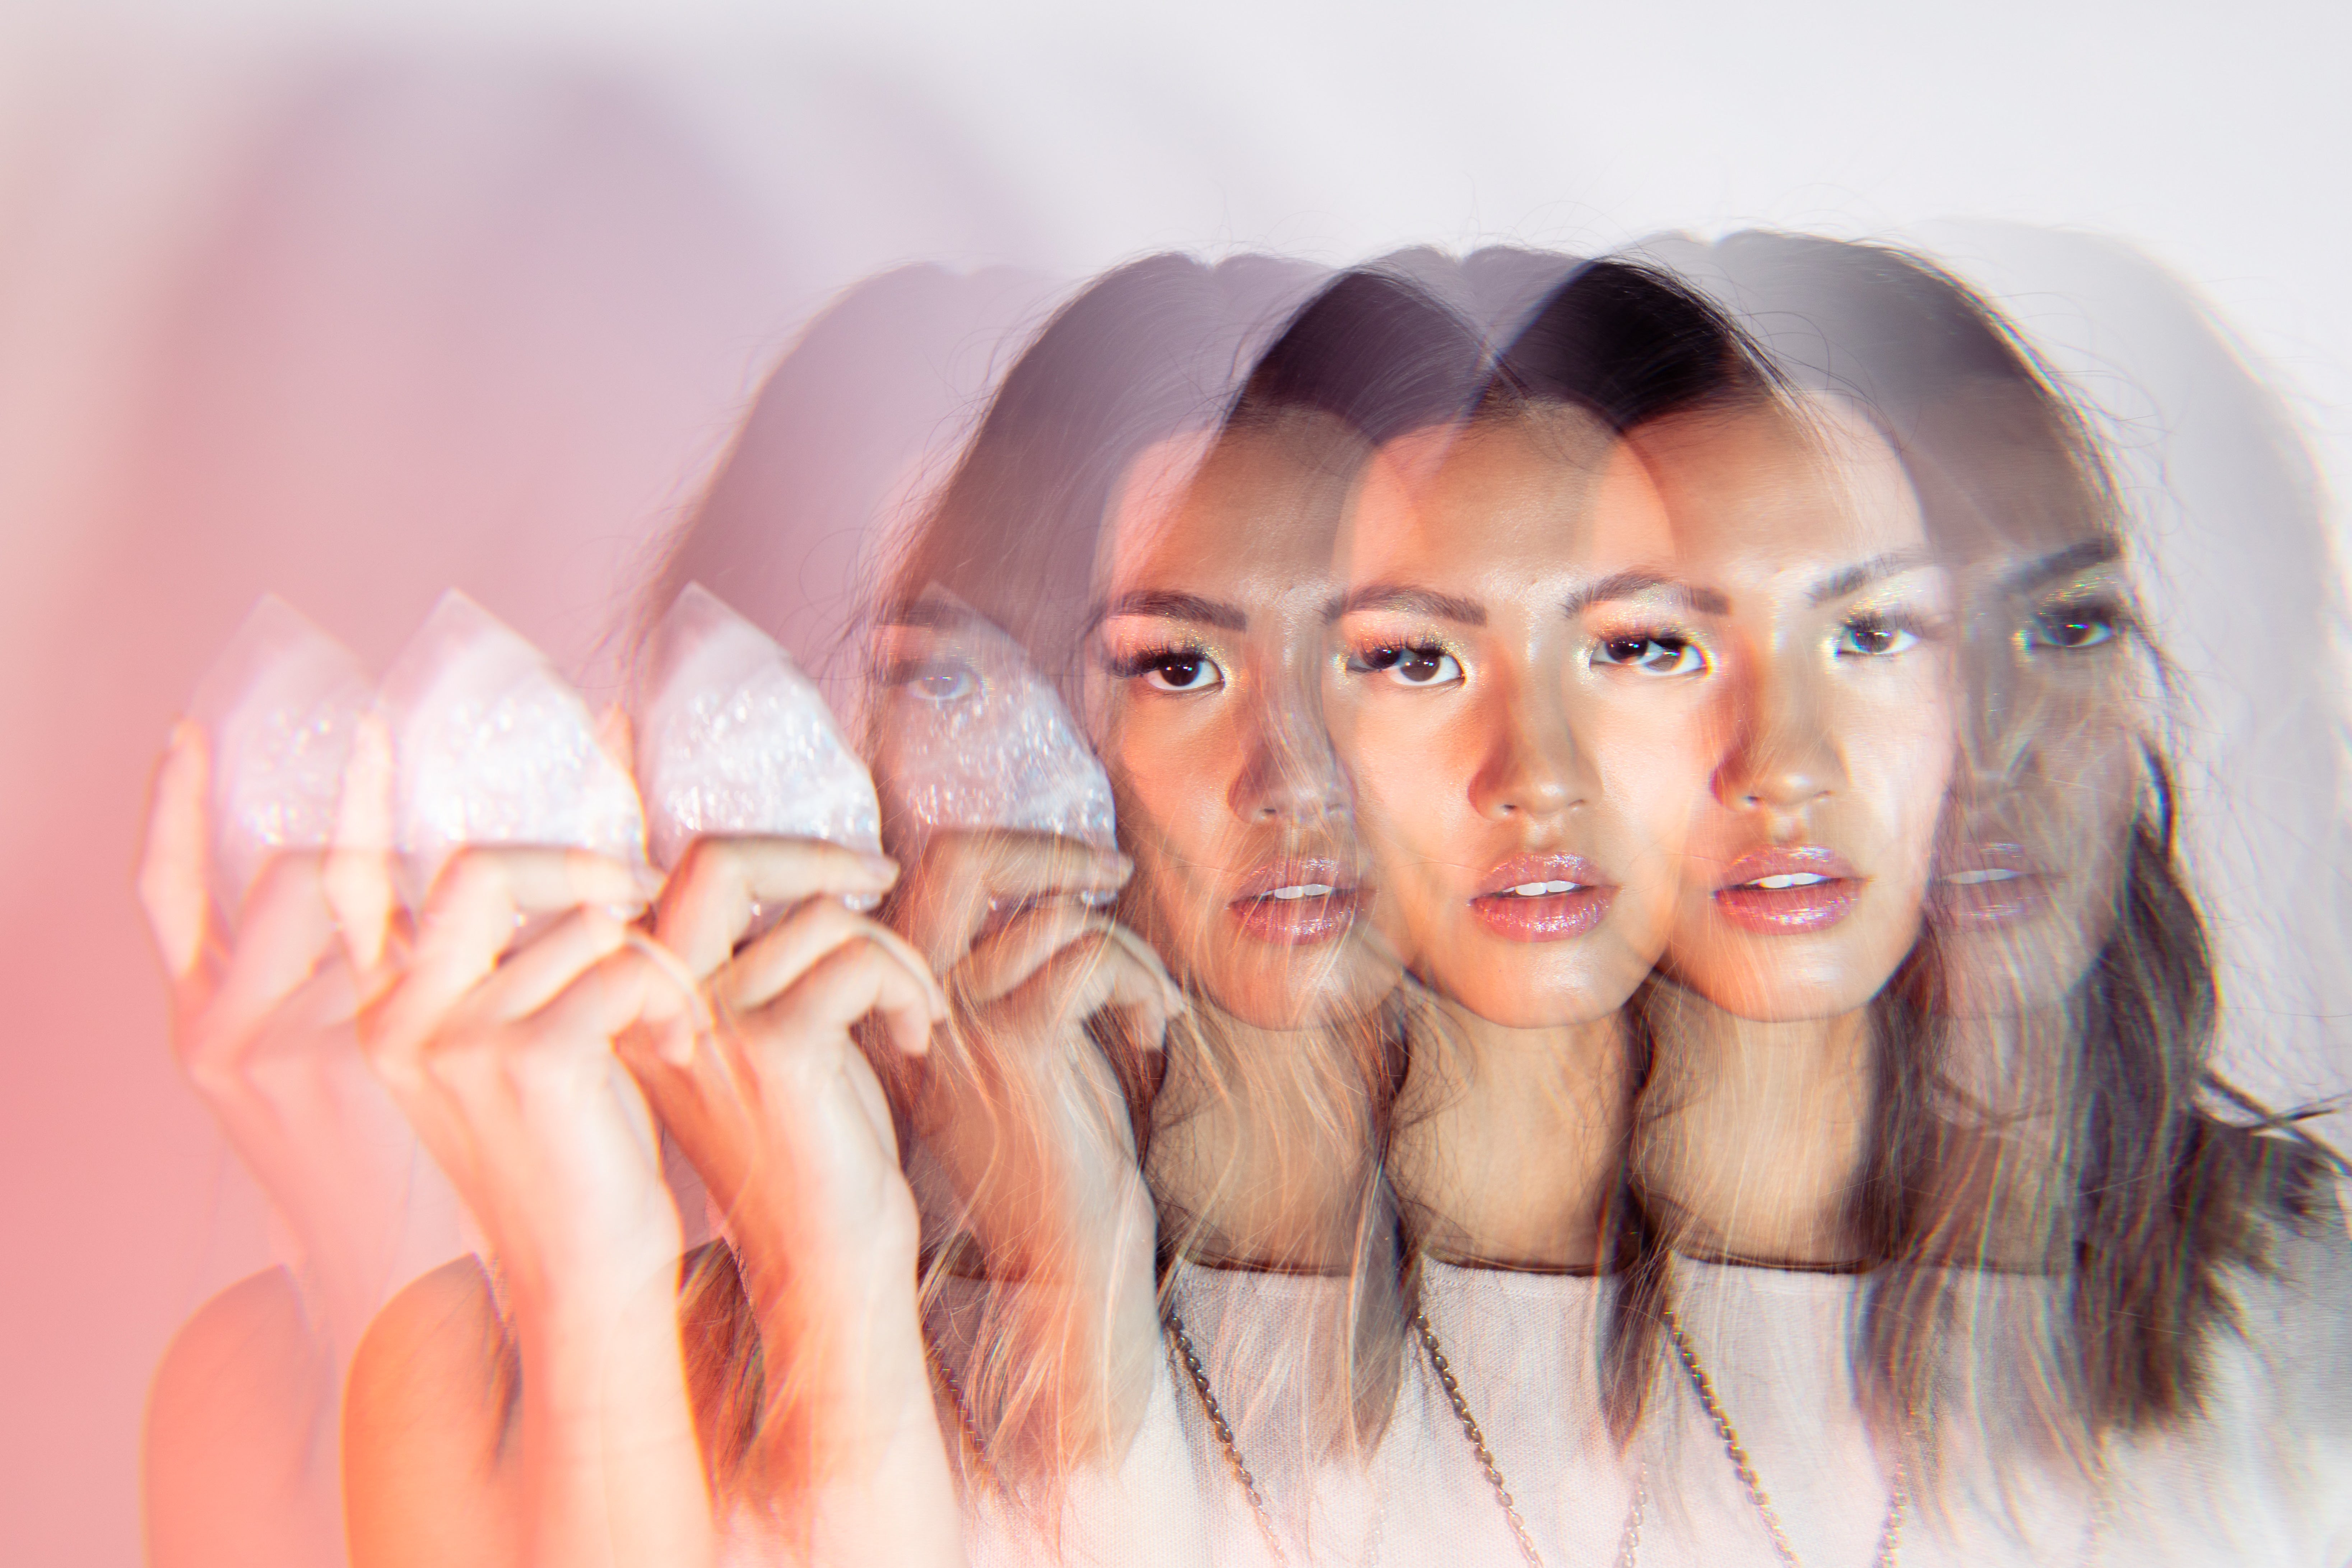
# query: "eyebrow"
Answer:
x=1172 y=607
x=1633 y=585
x=1414 y=601
x=927 y=612
x=1863 y=573
x=2060 y=563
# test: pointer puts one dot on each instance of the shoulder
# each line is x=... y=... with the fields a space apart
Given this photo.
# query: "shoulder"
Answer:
x=239 y=1452
x=426 y=1424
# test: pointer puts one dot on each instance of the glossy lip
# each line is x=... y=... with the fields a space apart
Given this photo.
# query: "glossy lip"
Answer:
x=1987 y=883
x=1816 y=904
x=1548 y=917
x=1297 y=902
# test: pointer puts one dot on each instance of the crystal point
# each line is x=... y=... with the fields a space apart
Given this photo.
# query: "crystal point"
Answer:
x=280 y=706
x=492 y=746
x=733 y=738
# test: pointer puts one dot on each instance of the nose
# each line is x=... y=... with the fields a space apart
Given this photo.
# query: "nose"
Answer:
x=1781 y=755
x=1998 y=717
x=1289 y=772
x=1533 y=767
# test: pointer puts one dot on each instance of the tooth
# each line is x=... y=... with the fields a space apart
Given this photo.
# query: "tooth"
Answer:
x=1787 y=879
x=1304 y=890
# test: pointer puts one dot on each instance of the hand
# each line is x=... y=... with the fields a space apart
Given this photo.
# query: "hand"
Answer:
x=1022 y=1111
x=264 y=1024
x=504 y=1062
x=776 y=1106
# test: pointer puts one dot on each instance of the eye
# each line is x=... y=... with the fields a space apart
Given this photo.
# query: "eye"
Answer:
x=1181 y=671
x=2071 y=627
x=934 y=680
x=1874 y=637
x=1651 y=653
x=1410 y=666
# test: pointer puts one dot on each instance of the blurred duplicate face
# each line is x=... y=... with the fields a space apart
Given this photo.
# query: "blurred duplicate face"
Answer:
x=1521 y=697
x=1832 y=629
x=1202 y=693
x=2051 y=777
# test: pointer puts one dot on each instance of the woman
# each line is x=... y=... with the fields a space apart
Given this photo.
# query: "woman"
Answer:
x=1086 y=523
x=771 y=1396
x=1997 y=1115
x=1523 y=708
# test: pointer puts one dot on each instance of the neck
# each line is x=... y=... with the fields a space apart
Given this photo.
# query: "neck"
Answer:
x=1752 y=1135
x=2012 y=1198
x=1264 y=1142
x=1510 y=1141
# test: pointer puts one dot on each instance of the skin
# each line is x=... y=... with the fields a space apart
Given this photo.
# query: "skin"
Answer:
x=1512 y=681
x=1834 y=733
x=1028 y=1155
x=2049 y=783
x=1203 y=690
x=242 y=1462
x=540 y=1071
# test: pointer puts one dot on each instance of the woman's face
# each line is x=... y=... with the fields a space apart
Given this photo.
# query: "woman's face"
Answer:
x=2050 y=776
x=1202 y=694
x=1520 y=696
x=1830 y=624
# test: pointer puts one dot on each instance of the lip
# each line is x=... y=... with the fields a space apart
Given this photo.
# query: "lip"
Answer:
x=1279 y=903
x=1553 y=916
x=1984 y=884
x=1825 y=896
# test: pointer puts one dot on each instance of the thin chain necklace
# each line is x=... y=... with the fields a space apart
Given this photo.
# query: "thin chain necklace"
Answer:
x=1890 y=1537
x=976 y=1450
x=1187 y=1362
x=1181 y=1352
x=1629 y=1546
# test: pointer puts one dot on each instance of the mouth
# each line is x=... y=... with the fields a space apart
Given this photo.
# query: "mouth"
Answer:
x=1297 y=903
x=1788 y=892
x=1543 y=898
x=1983 y=885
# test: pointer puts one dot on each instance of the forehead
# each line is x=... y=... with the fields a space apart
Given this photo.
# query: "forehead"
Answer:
x=1772 y=488
x=1528 y=494
x=1247 y=520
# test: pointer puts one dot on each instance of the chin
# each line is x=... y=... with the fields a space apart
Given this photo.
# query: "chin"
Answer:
x=1297 y=993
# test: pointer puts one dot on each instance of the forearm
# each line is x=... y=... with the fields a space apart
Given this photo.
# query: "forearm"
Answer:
x=608 y=1468
x=851 y=1441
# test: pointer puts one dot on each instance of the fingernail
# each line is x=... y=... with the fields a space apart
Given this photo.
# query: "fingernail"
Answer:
x=882 y=865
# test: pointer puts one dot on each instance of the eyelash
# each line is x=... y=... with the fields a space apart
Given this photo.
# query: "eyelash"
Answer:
x=909 y=673
x=1640 y=651
x=1893 y=625
x=1186 y=658
x=2106 y=618
x=1397 y=660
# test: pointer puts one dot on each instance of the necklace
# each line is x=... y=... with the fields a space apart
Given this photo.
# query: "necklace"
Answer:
x=1629 y=1545
x=1890 y=1538
x=976 y=1450
x=1180 y=1352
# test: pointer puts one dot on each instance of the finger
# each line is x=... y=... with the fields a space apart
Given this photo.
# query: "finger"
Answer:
x=771 y=965
x=287 y=929
x=622 y=992
x=1006 y=958
x=844 y=986
x=963 y=875
x=359 y=875
x=175 y=863
x=533 y=975
x=1084 y=978
x=469 y=920
x=1147 y=958
x=708 y=902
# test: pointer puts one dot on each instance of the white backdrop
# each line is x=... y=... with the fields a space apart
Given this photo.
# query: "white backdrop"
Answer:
x=359 y=301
